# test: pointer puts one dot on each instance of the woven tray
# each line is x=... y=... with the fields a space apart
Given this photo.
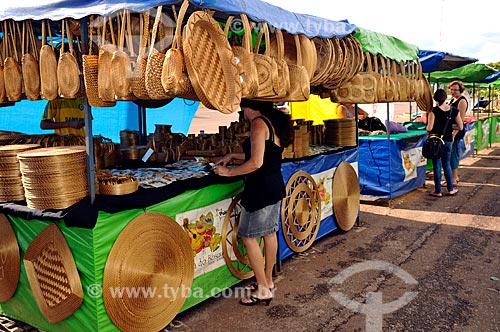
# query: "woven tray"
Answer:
x=118 y=184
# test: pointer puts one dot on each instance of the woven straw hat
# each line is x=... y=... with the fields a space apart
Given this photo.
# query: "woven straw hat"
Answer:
x=346 y=193
x=11 y=263
x=52 y=275
x=48 y=67
x=68 y=72
x=152 y=251
x=210 y=63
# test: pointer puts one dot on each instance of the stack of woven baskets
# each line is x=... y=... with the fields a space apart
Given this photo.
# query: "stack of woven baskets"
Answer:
x=53 y=178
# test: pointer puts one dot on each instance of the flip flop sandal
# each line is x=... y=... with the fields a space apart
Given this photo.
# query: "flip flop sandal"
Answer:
x=255 y=300
x=435 y=194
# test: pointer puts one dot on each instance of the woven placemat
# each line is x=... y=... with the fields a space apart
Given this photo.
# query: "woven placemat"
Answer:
x=152 y=252
x=346 y=193
x=52 y=275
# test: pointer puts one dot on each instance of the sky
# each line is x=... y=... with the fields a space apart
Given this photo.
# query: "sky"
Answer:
x=461 y=27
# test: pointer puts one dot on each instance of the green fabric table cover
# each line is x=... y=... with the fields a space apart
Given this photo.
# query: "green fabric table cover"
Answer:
x=398 y=136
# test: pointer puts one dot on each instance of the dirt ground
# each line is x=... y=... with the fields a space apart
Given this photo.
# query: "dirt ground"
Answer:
x=448 y=247
x=414 y=263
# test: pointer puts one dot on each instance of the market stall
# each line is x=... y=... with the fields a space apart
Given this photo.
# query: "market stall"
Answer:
x=75 y=246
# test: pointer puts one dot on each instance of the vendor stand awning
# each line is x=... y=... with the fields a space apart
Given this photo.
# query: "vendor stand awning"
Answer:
x=471 y=73
x=389 y=46
x=441 y=61
x=257 y=10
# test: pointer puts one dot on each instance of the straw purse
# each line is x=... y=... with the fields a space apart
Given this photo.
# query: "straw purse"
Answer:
x=174 y=76
x=121 y=66
x=139 y=74
x=3 y=94
x=154 y=65
x=391 y=69
x=361 y=89
x=68 y=73
x=424 y=99
x=106 y=51
x=13 y=76
x=299 y=76
x=245 y=59
x=267 y=69
x=278 y=52
x=403 y=81
x=412 y=81
x=90 y=74
x=31 y=73
x=309 y=57
x=325 y=60
x=48 y=66
x=210 y=63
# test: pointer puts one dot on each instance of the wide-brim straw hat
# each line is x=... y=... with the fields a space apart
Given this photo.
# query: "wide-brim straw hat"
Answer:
x=11 y=263
x=152 y=251
x=52 y=275
x=346 y=193
x=210 y=63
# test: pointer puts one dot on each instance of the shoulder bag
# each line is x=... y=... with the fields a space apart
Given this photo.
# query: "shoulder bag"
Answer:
x=434 y=147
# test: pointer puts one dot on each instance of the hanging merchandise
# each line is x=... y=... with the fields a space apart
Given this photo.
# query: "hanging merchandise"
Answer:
x=29 y=60
x=68 y=73
x=13 y=76
x=48 y=65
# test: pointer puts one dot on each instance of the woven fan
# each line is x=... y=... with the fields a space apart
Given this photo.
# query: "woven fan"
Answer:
x=12 y=71
x=48 y=66
x=68 y=72
x=90 y=72
x=174 y=76
x=30 y=68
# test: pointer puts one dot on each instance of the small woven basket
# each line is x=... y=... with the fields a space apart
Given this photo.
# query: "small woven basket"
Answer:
x=267 y=68
x=30 y=68
x=118 y=184
x=104 y=76
x=68 y=72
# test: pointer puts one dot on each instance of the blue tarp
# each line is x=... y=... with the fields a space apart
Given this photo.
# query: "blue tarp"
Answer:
x=441 y=61
x=389 y=168
x=492 y=78
x=257 y=10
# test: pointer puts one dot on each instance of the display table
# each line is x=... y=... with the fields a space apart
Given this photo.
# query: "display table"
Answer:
x=90 y=236
x=391 y=167
x=495 y=129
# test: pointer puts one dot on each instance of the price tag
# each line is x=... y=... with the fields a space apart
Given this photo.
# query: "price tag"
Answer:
x=147 y=155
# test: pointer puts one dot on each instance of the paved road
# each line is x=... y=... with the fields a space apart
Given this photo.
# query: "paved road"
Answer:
x=446 y=250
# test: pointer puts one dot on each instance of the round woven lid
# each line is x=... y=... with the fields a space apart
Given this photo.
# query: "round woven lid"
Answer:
x=345 y=192
x=152 y=252
x=14 y=149
x=52 y=275
x=10 y=263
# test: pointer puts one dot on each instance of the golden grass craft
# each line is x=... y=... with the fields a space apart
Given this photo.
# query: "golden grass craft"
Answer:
x=346 y=195
x=267 y=68
x=152 y=251
x=11 y=260
x=48 y=66
x=118 y=184
x=210 y=63
x=104 y=75
x=139 y=74
x=68 y=72
x=29 y=60
x=52 y=275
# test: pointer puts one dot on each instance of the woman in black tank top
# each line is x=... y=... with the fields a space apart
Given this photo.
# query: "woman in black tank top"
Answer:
x=271 y=130
x=459 y=101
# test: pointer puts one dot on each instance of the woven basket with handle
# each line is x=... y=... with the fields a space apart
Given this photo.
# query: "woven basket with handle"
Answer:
x=30 y=68
x=174 y=76
x=121 y=66
x=68 y=72
x=106 y=51
x=267 y=68
x=139 y=73
x=13 y=76
x=48 y=66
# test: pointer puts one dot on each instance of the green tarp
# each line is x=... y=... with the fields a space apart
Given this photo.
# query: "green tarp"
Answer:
x=388 y=46
x=471 y=73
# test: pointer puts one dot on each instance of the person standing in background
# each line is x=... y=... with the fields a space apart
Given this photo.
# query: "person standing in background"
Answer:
x=439 y=123
x=459 y=101
x=65 y=116
x=271 y=131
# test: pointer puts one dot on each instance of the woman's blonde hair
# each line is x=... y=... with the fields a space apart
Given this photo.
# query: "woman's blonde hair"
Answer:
x=461 y=86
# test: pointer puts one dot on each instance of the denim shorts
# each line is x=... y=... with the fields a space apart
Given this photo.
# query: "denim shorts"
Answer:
x=259 y=223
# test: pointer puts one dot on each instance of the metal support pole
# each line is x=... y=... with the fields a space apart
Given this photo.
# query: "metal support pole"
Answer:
x=89 y=142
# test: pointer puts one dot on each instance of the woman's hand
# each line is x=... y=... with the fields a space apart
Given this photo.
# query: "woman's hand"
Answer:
x=222 y=170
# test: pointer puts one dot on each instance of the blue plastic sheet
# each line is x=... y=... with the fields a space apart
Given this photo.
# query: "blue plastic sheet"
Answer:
x=440 y=61
x=257 y=10
x=389 y=168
